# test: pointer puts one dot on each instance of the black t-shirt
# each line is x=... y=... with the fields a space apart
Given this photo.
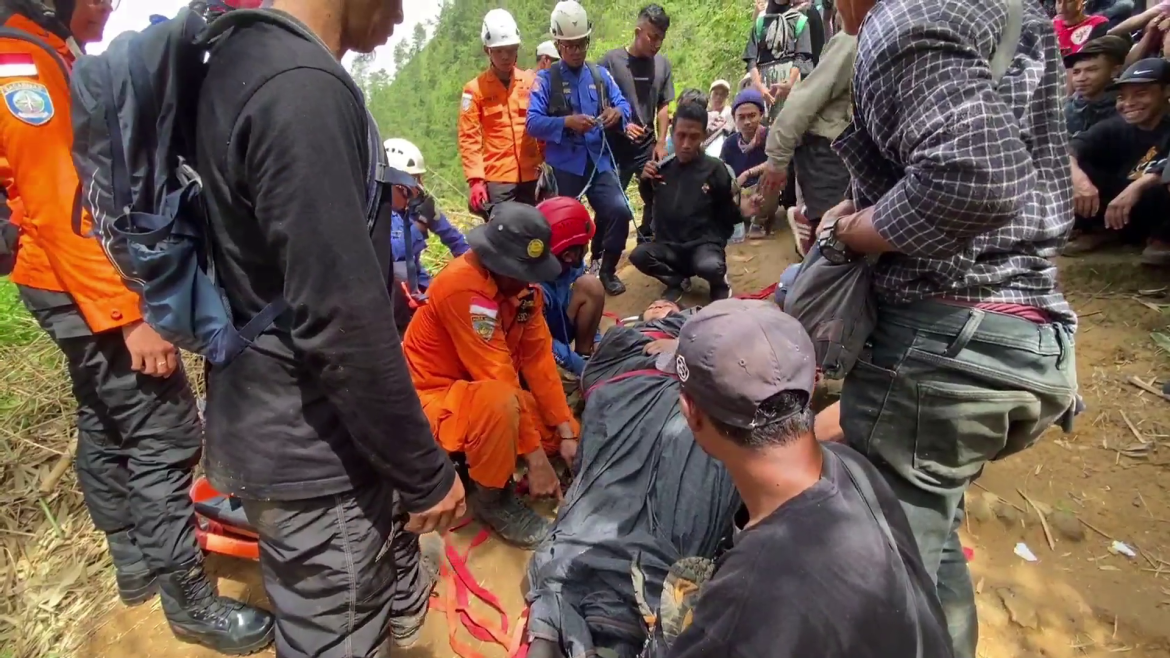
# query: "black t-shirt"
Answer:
x=647 y=83
x=818 y=578
x=1114 y=146
x=323 y=402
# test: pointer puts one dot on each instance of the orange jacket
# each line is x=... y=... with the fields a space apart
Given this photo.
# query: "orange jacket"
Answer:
x=35 y=138
x=493 y=143
x=467 y=331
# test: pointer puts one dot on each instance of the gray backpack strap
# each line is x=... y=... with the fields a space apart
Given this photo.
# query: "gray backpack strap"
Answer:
x=21 y=35
x=1005 y=51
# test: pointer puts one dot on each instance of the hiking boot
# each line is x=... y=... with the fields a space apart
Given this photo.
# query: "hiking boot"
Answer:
x=406 y=630
x=198 y=615
x=136 y=582
x=608 y=275
x=802 y=231
x=644 y=234
x=680 y=591
x=721 y=290
x=674 y=289
x=504 y=512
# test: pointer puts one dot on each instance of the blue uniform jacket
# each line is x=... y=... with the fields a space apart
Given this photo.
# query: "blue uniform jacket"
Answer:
x=448 y=235
x=565 y=149
x=557 y=294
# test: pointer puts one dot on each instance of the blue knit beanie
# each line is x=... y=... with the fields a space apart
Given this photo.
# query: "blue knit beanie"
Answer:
x=748 y=95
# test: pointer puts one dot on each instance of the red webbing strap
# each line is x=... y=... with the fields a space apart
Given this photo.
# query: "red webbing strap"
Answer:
x=627 y=375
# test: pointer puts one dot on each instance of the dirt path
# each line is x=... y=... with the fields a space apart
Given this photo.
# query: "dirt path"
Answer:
x=1079 y=599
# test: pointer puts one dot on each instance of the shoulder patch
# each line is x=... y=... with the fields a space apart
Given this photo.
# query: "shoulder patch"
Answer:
x=484 y=315
x=17 y=65
x=466 y=102
x=28 y=101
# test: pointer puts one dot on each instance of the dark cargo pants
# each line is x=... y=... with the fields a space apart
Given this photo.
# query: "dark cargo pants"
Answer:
x=138 y=437
x=945 y=390
x=338 y=570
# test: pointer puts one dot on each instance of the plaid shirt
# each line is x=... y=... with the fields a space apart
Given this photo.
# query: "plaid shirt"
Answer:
x=971 y=183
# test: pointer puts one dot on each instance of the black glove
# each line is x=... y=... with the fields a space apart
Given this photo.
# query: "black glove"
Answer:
x=424 y=206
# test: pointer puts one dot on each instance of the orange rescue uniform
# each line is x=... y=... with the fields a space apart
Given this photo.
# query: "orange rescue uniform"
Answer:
x=467 y=349
x=36 y=136
x=493 y=143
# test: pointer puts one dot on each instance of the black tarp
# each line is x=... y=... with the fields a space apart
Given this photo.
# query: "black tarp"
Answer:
x=644 y=493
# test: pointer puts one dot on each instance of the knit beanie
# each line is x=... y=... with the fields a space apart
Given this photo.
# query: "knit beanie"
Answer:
x=749 y=95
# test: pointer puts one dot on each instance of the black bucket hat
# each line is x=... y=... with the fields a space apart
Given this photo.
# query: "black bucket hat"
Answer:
x=516 y=243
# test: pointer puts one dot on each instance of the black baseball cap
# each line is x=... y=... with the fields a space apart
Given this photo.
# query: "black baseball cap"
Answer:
x=1114 y=46
x=1146 y=71
x=736 y=353
x=515 y=243
x=394 y=176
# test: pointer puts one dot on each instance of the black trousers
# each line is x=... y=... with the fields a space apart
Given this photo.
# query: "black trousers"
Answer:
x=519 y=192
x=1149 y=217
x=631 y=167
x=337 y=570
x=138 y=437
x=671 y=263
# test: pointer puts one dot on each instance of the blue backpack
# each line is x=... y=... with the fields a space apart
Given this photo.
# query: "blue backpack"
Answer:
x=134 y=149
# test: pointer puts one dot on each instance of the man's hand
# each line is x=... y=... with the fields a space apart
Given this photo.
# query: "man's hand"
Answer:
x=149 y=353
x=660 y=150
x=1117 y=212
x=650 y=171
x=750 y=205
x=772 y=180
x=479 y=195
x=611 y=117
x=580 y=123
x=568 y=451
x=766 y=93
x=656 y=347
x=1086 y=198
x=443 y=515
x=542 y=479
x=633 y=131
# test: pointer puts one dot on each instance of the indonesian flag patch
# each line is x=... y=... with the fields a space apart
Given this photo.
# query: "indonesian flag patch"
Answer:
x=484 y=315
x=17 y=65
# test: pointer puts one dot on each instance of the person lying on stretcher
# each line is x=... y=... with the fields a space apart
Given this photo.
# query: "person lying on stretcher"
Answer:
x=647 y=511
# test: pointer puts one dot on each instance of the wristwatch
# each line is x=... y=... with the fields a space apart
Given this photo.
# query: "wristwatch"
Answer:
x=833 y=249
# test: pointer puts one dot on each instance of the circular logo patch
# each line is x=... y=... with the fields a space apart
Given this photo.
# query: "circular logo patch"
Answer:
x=28 y=101
x=535 y=248
x=681 y=369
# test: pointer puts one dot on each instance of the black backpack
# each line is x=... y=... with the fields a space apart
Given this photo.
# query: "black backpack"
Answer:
x=559 y=104
x=134 y=148
x=9 y=233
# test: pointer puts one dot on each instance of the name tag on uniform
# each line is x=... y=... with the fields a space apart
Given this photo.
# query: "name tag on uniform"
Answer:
x=524 y=313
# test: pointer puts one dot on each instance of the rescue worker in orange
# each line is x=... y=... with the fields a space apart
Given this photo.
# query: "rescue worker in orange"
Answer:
x=500 y=161
x=481 y=357
x=139 y=435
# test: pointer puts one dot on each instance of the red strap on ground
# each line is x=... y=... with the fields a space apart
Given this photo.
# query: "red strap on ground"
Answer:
x=766 y=293
x=627 y=375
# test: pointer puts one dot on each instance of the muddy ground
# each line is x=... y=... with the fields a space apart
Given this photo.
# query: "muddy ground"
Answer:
x=1078 y=599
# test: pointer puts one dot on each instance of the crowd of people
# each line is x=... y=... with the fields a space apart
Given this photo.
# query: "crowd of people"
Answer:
x=345 y=440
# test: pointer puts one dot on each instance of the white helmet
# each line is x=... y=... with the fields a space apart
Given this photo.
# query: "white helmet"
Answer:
x=499 y=29
x=404 y=156
x=547 y=49
x=569 y=21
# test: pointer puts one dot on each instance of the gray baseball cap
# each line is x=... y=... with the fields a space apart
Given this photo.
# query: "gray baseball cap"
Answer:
x=736 y=353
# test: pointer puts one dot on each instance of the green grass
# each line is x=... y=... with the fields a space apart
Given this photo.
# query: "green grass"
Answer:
x=16 y=326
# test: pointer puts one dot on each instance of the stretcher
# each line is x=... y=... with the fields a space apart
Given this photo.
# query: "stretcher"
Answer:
x=220 y=524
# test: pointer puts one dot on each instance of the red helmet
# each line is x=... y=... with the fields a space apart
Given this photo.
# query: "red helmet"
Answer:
x=570 y=221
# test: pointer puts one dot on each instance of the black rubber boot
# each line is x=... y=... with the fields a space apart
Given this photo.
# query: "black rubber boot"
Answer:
x=608 y=275
x=504 y=512
x=406 y=630
x=199 y=616
x=720 y=289
x=136 y=582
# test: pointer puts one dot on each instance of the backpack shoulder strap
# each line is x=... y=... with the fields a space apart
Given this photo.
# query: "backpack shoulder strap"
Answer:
x=602 y=88
x=558 y=90
x=21 y=35
x=760 y=26
x=1005 y=50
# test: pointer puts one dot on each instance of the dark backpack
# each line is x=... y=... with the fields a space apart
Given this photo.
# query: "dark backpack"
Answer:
x=9 y=233
x=560 y=92
x=134 y=148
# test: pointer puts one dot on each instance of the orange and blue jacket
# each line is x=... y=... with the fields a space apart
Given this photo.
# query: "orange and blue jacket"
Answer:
x=493 y=143
x=36 y=136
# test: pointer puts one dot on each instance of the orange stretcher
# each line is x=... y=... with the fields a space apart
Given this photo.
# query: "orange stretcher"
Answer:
x=220 y=524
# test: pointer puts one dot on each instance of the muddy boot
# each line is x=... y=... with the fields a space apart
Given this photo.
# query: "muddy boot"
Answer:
x=198 y=615
x=608 y=275
x=406 y=630
x=674 y=290
x=136 y=582
x=720 y=289
x=504 y=512
x=680 y=592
